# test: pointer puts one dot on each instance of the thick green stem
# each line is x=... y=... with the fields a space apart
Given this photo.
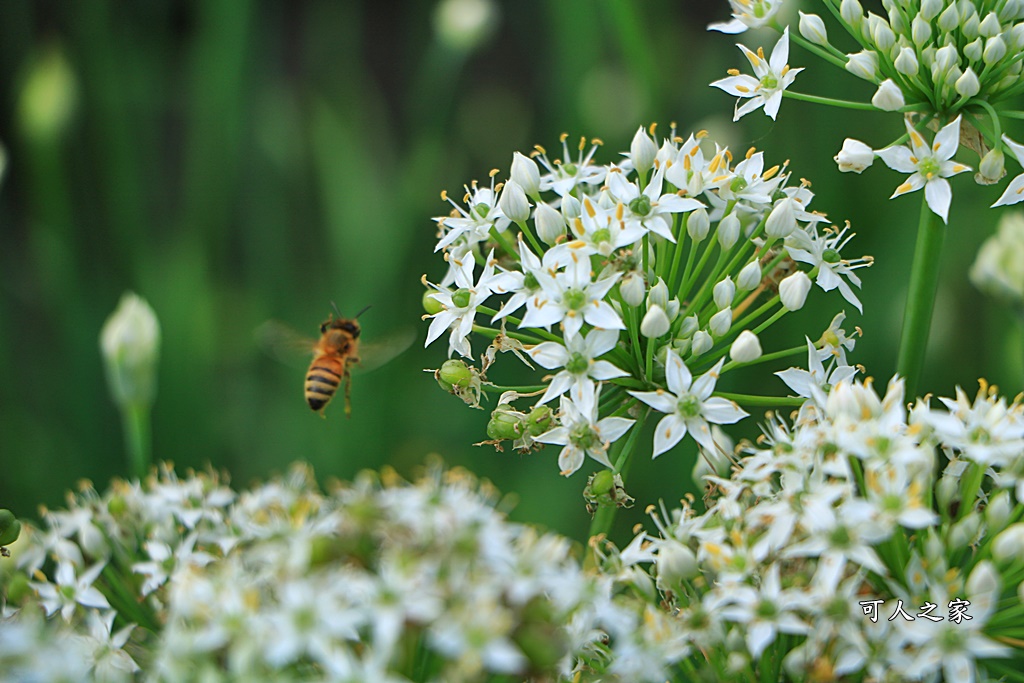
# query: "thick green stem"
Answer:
x=924 y=280
x=135 y=417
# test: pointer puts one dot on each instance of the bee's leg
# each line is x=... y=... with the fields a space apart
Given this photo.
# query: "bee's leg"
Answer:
x=347 y=379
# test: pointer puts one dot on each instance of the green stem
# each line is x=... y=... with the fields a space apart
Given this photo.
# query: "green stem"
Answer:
x=752 y=400
x=135 y=417
x=605 y=515
x=924 y=280
x=830 y=101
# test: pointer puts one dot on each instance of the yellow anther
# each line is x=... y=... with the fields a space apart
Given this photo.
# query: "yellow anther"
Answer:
x=750 y=152
x=444 y=195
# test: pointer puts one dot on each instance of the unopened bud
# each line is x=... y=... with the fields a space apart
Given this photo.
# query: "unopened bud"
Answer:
x=728 y=231
x=782 y=220
x=964 y=532
x=746 y=348
x=642 y=151
x=973 y=50
x=720 y=322
x=513 y=202
x=689 y=325
x=571 y=207
x=855 y=156
x=526 y=173
x=997 y=512
x=749 y=277
x=931 y=8
x=793 y=290
x=632 y=288
x=130 y=342
x=465 y=24
x=920 y=30
x=863 y=64
x=724 y=292
x=851 y=12
x=906 y=62
x=950 y=18
x=655 y=323
x=676 y=563
x=659 y=294
x=813 y=29
x=888 y=97
x=882 y=35
x=702 y=343
x=992 y=168
x=968 y=84
x=995 y=50
x=1008 y=546
x=698 y=223
x=550 y=223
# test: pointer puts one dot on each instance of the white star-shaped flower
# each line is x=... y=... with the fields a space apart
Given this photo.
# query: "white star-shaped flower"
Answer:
x=1015 y=190
x=688 y=405
x=747 y=14
x=764 y=89
x=929 y=165
x=578 y=358
x=581 y=433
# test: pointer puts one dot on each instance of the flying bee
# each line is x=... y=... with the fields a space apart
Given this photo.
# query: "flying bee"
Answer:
x=335 y=355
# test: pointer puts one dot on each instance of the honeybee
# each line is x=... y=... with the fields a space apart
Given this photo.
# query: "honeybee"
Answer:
x=335 y=354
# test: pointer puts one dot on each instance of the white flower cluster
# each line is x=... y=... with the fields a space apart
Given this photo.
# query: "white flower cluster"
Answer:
x=627 y=281
x=847 y=506
x=190 y=580
x=953 y=62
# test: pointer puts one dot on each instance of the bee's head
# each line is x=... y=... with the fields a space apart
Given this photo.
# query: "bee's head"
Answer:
x=344 y=324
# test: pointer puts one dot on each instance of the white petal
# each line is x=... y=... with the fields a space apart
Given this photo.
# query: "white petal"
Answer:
x=897 y=158
x=570 y=460
x=722 y=411
x=670 y=430
x=602 y=369
x=947 y=140
x=1014 y=192
x=611 y=428
x=677 y=375
x=601 y=314
x=662 y=401
x=938 y=194
x=549 y=355
x=912 y=184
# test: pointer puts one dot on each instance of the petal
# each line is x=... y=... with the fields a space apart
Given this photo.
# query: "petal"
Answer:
x=722 y=411
x=602 y=370
x=780 y=53
x=558 y=436
x=670 y=430
x=705 y=384
x=662 y=401
x=611 y=428
x=938 y=194
x=1014 y=192
x=677 y=374
x=600 y=342
x=1017 y=149
x=913 y=183
x=738 y=86
x=601 y=314
x=772 y=104
x=549 y=355
x=732 y=27
x=751 y=105
x=570 y=460
x=701 y=433
x=898 y=159
x=947 y=140
x=441 y=321
x=560 y=383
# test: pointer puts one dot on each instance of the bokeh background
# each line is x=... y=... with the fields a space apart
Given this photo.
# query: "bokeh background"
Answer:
x=236 y=162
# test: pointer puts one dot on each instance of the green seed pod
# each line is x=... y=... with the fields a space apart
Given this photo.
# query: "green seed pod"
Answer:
x=505 y=424
x=602 y=483
x=10 y=527
x=453 y=373
x=431 y=305
x=539 y=420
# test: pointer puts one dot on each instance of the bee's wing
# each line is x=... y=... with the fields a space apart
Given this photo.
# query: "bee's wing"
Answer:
x=377 y=352
x=283 y=343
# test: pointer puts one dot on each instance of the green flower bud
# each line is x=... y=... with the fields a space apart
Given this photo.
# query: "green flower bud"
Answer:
x=10 y=527
x=130 y=342
x=540 y=420
x=431 y=305
x=505 y=424
x=454 y=373
x=602 y=483
x=461 y=298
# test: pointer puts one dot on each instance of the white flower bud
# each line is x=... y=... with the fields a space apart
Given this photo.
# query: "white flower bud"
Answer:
x=1009 y=545
x=728 y=231
x=550 y=223
x=1011 y=11
x=863 y=64
x=571 y=207
x=946 y=58
x=673 y=308
x=896 y=21
x=813 y=29
x=974 y=50
x=920 y=30
x=724 y=292
x=659 y=294
x=702 y=343
x=698 y=223
x=749 y=277
x=689 y=326
x=526 y=173
x=882 y=34
x=655 y=323
x=676 y=563
x=642 y=151
x=950 y=18
x=990 y=26
x=888 y=97
x=464 y=24
x=931 y=8
x=793 y=290
x=513 y=202
x=854 y=157
x=998 y=270
x=995 y=50
x=130 y=342
x=851 y=12
x=947 y=490
x=970 y=25
x=632 y=288
x=992 y=168
x=782 y=219
x=965 y=531
x=720 y=322
x=1015 y=37
x=746 y=348
x=906 y=62
x=968 y=84
x=997 y=512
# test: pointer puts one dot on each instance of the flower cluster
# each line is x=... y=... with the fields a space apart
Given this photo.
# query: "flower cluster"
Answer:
x=951 y=63
x=854 y=512
x=378 y=580
x=631 y=283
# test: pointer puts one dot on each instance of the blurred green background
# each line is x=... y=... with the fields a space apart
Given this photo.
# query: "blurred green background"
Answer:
x=235 y=162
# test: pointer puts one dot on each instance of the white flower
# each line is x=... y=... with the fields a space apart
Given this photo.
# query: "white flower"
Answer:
x=824 y=253
x=473 y=223
x=459 y=306
x=564 y=175
x=70 y=590
x=1015 y=190
x=578 y=357
x=765 y=610
x=688 y=405
x=765 y=88
x=747 y=14
x=816 y=381
x=929 y=165
x=581 y=433
x=106 y=654
x=855 y=156
x=648 y=208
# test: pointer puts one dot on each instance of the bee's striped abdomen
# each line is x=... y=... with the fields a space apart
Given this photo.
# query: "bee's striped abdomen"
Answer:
x=322 y=380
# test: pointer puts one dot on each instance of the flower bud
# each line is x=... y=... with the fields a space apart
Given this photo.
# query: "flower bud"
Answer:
x=571 y=207
x=997 y=512
x=676 y=563
x=964 y=532
x=689 y=325
x=720 y=322
x=505 y=424
x=995 y=50
x=968 y=84
x=702 y=343
x=724 y=292
x=851 y=12
x=655 y=323
x=813 y=29
x=550 y=223
x=673 y=308
x=465 y=24
x=642 y=151
x=970 y=26
x=749 y=277
x=431 y=305
x=130 y=342
x=746 y=348
x=793 y=290
x=882 y=35
x=659 y=294
x=782 y=220
x=947 y=491
x=540 y=420
x=632 y=288
x=888 y=97
x=854 y=157
x=526 y=173
x=950 y=18
x=1008 y=546
x=931 y=8
x=906 y=62
x=47 y=101
x=513 y=202
x=998 y=269
x=920 y=31
x=728 y=231
x=454 y=374
x=10 y=528
x=863 y=64
x=698 y=223
x=974 y=50
x=992 y=168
